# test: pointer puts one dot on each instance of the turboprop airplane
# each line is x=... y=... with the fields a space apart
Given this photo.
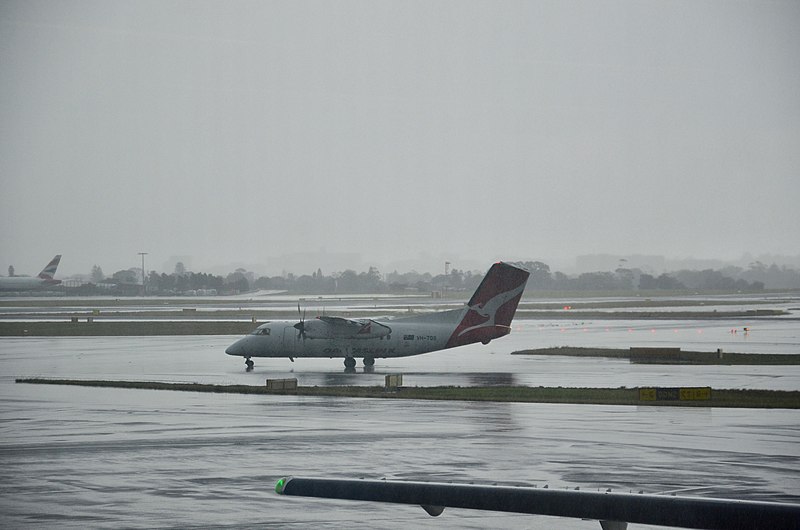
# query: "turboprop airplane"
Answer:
x=26 y=283
x=486 y=316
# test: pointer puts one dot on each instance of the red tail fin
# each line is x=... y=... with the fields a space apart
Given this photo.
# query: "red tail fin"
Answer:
x=492 y=306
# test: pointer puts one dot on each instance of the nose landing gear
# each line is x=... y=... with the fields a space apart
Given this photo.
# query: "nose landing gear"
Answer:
x=249 y=364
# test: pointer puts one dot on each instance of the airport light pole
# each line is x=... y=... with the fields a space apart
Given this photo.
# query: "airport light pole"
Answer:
x=144 y=285
x=446 y=273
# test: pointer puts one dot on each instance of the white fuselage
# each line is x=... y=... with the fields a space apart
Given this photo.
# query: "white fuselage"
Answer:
x=411 y=336
x=25 y=283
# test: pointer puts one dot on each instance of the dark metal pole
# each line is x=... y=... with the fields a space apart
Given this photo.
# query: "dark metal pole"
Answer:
x=144 y=281
x=684 y=512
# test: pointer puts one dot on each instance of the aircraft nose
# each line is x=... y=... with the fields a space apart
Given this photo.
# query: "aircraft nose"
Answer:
x=237 y=348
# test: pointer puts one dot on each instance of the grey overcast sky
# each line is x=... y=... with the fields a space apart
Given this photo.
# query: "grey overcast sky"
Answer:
x=243 y=131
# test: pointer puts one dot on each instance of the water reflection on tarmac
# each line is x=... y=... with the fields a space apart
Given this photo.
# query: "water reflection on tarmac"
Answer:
x=202 y=359
x=80 y=457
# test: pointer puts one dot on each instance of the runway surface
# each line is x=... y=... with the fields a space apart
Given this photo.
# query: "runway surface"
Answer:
x=81 y=457
x=202 y=359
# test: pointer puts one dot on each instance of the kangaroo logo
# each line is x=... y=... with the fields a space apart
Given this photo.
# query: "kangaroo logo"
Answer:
x=488 y=310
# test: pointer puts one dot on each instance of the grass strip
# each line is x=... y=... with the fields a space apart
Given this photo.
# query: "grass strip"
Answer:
x=518 y=394
x=123 y=329
x=683 y=357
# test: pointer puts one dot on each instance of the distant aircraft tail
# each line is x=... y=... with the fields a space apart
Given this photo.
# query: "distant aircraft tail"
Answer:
x=50 y=271
x=491 y=308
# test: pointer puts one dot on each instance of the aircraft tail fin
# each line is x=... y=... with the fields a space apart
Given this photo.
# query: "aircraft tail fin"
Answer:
x=492 y=307
x=50 y=270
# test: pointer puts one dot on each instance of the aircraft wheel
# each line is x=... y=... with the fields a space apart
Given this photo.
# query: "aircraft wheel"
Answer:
x=349 y=362
x=369 y=361
x=249 y=364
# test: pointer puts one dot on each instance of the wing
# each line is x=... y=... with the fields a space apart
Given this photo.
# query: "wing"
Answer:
x=613 y=510
x=339 y=321
x=345 y=328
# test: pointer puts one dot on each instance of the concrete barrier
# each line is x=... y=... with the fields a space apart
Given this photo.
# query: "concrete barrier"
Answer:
x=281 y=385
x=393 y=381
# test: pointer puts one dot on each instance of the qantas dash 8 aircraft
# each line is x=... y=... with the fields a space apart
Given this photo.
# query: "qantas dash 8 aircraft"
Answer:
x=26 y=283
x=486 y=316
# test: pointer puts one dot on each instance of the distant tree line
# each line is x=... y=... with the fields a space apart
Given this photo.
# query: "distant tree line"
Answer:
x=756 y=277
x=372 y=281
x=625 y=279
x=128 y=282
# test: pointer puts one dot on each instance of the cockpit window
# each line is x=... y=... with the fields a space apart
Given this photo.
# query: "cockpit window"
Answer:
x=261 y=331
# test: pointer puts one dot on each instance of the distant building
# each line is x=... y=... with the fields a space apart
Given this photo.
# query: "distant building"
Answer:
x=611 y=262
x=169 y=265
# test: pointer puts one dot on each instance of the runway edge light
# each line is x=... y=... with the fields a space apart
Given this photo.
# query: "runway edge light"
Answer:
x=281 y=485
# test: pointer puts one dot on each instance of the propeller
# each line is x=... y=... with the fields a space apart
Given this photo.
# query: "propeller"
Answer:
x=301 y=326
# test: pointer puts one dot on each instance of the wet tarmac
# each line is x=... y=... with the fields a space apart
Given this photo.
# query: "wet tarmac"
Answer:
x=202 y=359
x=82 y=457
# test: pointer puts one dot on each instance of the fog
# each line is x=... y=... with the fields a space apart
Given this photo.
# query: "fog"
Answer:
x=390 y=133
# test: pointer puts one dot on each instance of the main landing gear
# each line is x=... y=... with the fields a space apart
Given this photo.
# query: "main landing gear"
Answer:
x=249 y=364
x=350 y=362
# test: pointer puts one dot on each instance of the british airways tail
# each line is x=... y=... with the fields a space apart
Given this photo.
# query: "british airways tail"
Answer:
x=50 y=270
x=490 y=310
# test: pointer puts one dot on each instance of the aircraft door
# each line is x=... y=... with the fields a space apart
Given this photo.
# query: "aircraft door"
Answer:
x=290 y=340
